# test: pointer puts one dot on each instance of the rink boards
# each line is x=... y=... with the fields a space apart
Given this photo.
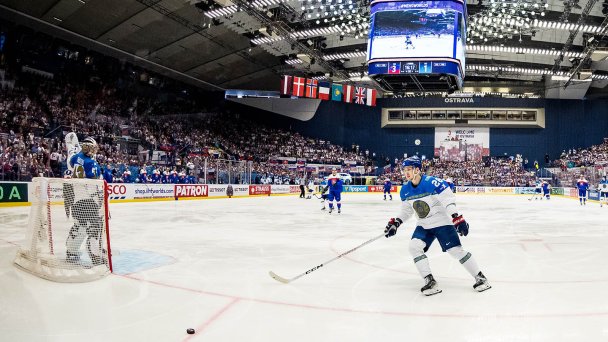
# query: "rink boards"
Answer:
x=18 y=193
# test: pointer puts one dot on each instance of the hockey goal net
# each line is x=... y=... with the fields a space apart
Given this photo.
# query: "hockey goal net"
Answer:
x=67 y=239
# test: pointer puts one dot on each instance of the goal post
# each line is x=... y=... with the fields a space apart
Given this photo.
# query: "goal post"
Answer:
x=68 y=237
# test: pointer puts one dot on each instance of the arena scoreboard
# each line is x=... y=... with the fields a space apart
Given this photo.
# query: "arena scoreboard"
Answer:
x=417 y=45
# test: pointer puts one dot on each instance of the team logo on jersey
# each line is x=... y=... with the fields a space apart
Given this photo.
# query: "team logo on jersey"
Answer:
x=422 y=208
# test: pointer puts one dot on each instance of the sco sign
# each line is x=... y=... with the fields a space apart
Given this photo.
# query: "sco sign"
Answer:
x=117 y=189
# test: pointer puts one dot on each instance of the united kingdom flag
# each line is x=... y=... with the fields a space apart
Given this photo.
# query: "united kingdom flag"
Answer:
x=360 y=95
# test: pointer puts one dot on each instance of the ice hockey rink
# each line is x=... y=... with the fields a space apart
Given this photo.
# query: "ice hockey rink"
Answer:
x=204 y=265
x=425 y=46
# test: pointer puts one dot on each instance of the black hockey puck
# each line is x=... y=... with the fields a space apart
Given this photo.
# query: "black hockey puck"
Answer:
x=190 y=331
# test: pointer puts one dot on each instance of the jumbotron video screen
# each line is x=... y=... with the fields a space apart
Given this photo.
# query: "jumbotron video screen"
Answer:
x=417 y=30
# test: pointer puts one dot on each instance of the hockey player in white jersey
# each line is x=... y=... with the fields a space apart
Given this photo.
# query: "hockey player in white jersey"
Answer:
x=310 y=189
x=434 y=204
x=603 y=188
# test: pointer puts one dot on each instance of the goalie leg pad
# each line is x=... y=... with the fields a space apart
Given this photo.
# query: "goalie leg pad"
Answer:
x=75 y=238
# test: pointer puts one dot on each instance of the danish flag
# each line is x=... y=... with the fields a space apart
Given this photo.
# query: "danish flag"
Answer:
x=298 y=86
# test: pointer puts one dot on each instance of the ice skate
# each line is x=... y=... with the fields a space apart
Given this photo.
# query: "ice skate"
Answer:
x=339 y=210
x=330 y=210
x=481 y=283
x=323 y=208
x=431 y=287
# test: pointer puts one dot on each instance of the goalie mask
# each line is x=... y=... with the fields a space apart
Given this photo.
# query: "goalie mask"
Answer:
x=89 y=146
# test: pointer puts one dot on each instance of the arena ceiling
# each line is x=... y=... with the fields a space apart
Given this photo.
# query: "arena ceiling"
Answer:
x=248 y=44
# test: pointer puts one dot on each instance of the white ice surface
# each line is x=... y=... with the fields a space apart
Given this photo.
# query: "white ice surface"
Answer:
x=547 y=263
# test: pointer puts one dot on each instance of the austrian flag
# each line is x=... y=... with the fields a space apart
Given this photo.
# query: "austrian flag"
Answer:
x=286 y=84
x=371 y=97
x=348 y=93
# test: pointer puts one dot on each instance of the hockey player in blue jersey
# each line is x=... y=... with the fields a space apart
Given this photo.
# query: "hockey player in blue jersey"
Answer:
x=165 y=177
x=603 y=188
x=143 y=176
x=430 y=199
x=546 y=190
x=335 y=191
x=126 y=177
x=155 y=178
x=408 y=42
x=582 y=185
x=182 y=178
x=173 y=179
x=107 y=174
x=82 y=165
x=387 y=188
x=84 y=205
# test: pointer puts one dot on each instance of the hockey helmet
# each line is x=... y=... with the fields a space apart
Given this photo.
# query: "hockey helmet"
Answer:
x=89 y=146
x=412 y=161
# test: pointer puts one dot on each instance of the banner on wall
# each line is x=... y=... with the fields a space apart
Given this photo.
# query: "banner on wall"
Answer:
x=13 y=192
x=355 y=188
x=380 y=188
x=280 y=189
x=462 y=143
x=191 y=190
x=228 y=190
x=259 y=190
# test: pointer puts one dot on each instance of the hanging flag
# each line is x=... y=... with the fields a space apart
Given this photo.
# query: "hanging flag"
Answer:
x=298 y=86
x=311 y=88
x=336 y=92
x=360 y=95
x=371 y=97
x=286 y=84
x=348 y=93
x=324 y=90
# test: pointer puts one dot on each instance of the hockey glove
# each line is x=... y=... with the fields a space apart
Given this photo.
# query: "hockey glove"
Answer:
x=391 y=227
x=462 y=227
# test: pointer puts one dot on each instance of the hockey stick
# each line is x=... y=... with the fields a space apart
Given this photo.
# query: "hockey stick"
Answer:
x=533 y=196
x=286 y=281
